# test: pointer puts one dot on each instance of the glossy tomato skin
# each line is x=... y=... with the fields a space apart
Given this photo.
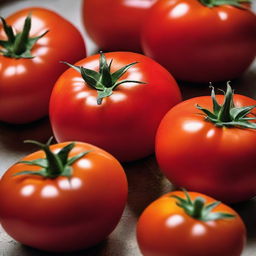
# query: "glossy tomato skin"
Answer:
x=125 y=123
x=195 y=154
x=200 y=44
x=117 y=25
x=64 y=214
x=164 y=229
x=26 y=84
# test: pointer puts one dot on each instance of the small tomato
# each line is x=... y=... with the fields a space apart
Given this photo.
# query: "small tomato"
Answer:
x=190 y=224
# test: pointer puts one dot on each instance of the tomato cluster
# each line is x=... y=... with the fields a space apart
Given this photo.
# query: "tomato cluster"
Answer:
x=118 y=24
x=196 y=40
x=71 y=195
x=183 y=224
x=201 y=41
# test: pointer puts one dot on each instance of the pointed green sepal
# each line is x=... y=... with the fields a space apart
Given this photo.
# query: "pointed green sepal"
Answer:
x=92 y=78
x=236 y=3
x=224 y=112
x=67 y=172
x=73 y=159
x=21 y=39
x=104 y=81
x=8 y=31
x=41 y=162
x=241 y=124
x=238 y=113
x=54 y=164
x=64 y=152
x=105 y=75
x=227 y=114
x=19 y=45
x=119 y=73
x=198 y=209
x=41 y=173
x=216 y=105
x=207 y=112
x=127 y=81
x=77 y=68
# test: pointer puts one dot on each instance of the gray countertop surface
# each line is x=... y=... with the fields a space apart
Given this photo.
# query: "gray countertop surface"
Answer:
x=145 y=180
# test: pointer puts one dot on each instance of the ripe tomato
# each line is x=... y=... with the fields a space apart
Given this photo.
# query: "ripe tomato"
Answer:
x=122 y=120
x=199 y=43
x=27 y=78
x=184 y=225
x=212 y=155
x=71 y=205
x=117 y=23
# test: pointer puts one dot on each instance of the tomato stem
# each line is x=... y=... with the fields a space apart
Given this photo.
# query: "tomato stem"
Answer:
x=215 y=3
x=54 y=164
x=224 y=113
x=198 y=209
x=228 y=115
x=104 y=81
x=19 y=45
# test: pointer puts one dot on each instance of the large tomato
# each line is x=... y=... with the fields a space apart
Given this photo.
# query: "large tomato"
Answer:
x=30 y=67
x=210 y=152
x=118 y=108
x=66 y=202
x=115 y=24
x=190 y=225
x=201 y=40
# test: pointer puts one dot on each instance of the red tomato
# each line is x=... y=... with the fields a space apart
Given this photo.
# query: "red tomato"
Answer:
x=198 y=43
x=67 y=211
x=166 y=229
x=212 y=158
x=125 y=123
x=115 y=24
x=26 y=83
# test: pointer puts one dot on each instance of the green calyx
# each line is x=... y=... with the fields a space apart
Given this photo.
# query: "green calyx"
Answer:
x=227 y=115
x=104 y=81
x=236 y=3
x=198 y=209
x=54 y=164
x=19 y=45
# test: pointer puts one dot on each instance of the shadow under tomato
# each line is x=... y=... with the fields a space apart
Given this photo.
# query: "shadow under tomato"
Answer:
x=12 y=136
x=247 y=211
x=19 y=249
x=12 y=147
x=245 y=85
x=191 y=90
x=146 y=184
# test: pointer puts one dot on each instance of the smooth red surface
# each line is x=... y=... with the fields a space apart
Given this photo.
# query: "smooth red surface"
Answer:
x=164 y=229
x=200 y=44
x=26 y=84
x=64 y=214
x=125 y=123
x=195 y=154
x=115 y=24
